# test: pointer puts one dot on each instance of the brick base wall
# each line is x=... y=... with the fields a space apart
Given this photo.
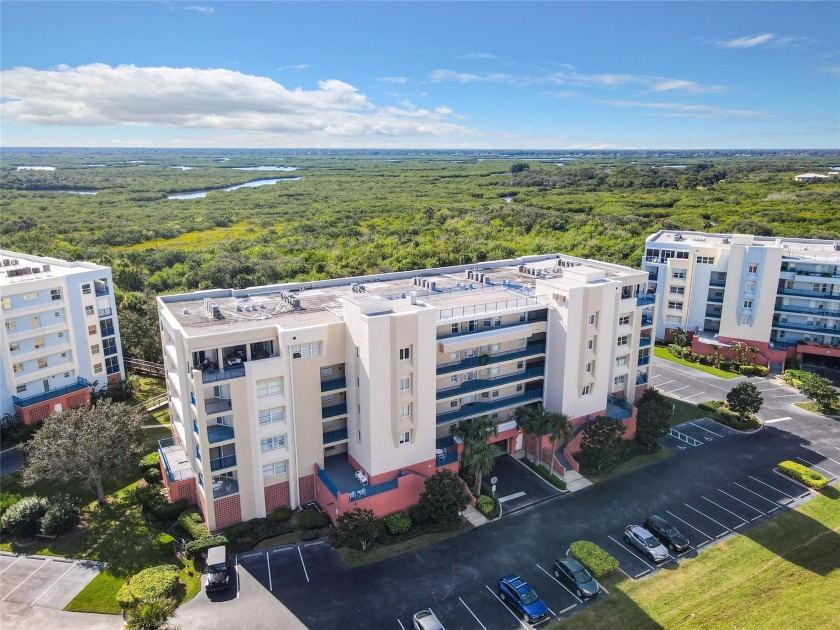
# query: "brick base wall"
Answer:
x=41 y=411
x=306 y=485
x=277 y=496
x=228 y=511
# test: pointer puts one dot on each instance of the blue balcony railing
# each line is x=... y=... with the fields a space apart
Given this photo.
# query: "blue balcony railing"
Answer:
x=486 y=383
x=110 y=350
x=807 y=310
x=218 y=463
x=449 y=456
x=645 y=300
x=833 y=329
x=644 y=360
x=172 y=445
x=335 y=436
x=112 y=369
x=479 y=409
x=107 y=331
x=334 y=410
x=217 y=405
x=359 y=493
x=647 y=320
x=717 y=282
x=324 y=477
x=213 y=375
x=715 y=299
x=538 y=317
x=824 y=295
x=192 y=398
x=499 y=357
x=198 y=453
x=333 y=384
x=219 y=433
x=195 y=427
x=644 y=342
x=27 y=401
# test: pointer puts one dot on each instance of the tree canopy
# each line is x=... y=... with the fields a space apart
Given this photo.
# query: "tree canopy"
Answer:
x=652 y=419
x=744 y=399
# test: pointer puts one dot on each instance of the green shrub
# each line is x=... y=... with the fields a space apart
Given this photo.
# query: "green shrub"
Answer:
x=397 y=524
x=803 y=474
x=485 y=504
x=312 y=519
x=159 y=581
x=244 y=536
x=545 y=473
x=725 y=365
x=152 y=476
x=282 y=514
x=22 y=518
x=590 y=555
x=164 y=542
x=192 y=523
x=677 y=351
x=62 y=515
x=417 y=515
x=150 y=461
x=152 y=500
x=7 y=500
x=198 y=548
x=753 y=370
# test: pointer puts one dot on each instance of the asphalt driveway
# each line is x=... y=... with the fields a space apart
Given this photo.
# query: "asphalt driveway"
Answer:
x=518 y=486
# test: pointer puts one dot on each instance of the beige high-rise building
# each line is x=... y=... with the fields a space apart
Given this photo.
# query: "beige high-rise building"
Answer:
x=342 y=392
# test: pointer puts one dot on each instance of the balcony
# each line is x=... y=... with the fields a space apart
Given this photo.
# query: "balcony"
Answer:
x=486 y=383
x=499 y=357
x=713 y=314
x=480 y=409
x=644 y=342
x=819 y=328
x=107 y=331
x=823 y=295
x=333 y=384
x=644 y=360
x=27 y=401
x=219 y=463
x=618 y=408
x=480 y=311
x=334 y=411
x=175 y=460
x=641 y=378
x=212 y=375
x=647 y=320
x=223 y=486
x=807 y=310
x=110 y=350
x=717 y=281
x=715 y=299
x=332 y=437
x=492 y=329
x=646 y=300
x=219 y=433
x=112 y=369
x=195 y=427
x=217 y=405
x=339 y=476
x=102 y=289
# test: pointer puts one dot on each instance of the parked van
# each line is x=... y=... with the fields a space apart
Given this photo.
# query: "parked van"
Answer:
x=216 y=575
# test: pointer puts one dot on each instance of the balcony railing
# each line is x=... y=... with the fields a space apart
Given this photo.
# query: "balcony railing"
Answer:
x=333 y=384
x=490 y=308
x=498 y=357
x=644 y=360
x=27 y=401
x=717 y=282
x=102 y=290
x=812 y=294
x=110 y=350
x=481 y=329
x=178 y=469
x=334 y=410
x=641 y=379
x=218 y=463
x=449 y=456
x=715 y=299
x=478 y=409
x=217 y=405
x=644 y=342
x=112 y=369
x=335 y=436
x=647 y=320
x=195 y=427
x=225 y=486
x=107 y=331
x=212 y=375
x=713 y=314
x=219 y=433
x=834 y=329
x=807 y=310
x=645 y=300
x=486 y=383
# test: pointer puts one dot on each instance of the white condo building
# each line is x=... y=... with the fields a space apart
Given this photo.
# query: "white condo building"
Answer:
x=343 y=392
x=60 y=334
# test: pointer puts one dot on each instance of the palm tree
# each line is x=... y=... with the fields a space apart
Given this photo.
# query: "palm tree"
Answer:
x=561 y=431
x=754 y=351
x=474 y=430
x=533 y=420
x=150 y=614
x=478 y=460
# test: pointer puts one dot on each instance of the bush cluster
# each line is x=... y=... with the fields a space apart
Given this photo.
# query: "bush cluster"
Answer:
x=488 y=506
x=7 y=500
x=152 y=476
x=753 y=370
x=23 y=517
x=282 y=514
x=153 y=501
x=313 y=519
x=397 y=524
x=723 y=414
x=164 y=542
x=545 y=473
x=159 y=581
x=803 y=474
x=192 y=523
x=150 y=461
x=244 y=536
x=62 y=515
x=590 y=555
x=198 y=548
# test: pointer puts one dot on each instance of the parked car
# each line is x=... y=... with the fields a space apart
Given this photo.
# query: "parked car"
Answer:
x=576 y=577
x=645 y=542
x=523 y=598
x=216 y=574
x=669 y=535
x=426 y=620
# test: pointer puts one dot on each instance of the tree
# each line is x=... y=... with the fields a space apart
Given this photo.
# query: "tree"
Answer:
x=358 y=528
x=680 y=337
x=478 y=460
x=519 y=167
x=819 y=389
x=744 y=399
x=532 y=420
x=443 y=499
x=474 y=430
x=150 y=614
x=652 y=419
x=87 y=443
x=601 y=443
x=560 y=431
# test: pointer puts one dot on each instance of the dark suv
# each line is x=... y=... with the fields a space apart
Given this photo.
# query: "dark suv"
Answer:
x=576 y=577
x=669 y=535
x=517 y=592
x=216 y=574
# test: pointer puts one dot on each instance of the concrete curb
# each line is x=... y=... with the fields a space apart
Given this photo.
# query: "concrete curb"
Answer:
x=796 y=481
x=543 y=479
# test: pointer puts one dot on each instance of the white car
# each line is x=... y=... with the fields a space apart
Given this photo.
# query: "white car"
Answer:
x=426 y=620
x=645 y=542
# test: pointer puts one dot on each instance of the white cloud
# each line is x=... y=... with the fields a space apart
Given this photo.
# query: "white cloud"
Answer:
x=188 y=98
x=689 y=110
x=397 y=80
x=763 y=39
x=298 y=66
x=438 y=76
x=200 y=9
x=478 y=55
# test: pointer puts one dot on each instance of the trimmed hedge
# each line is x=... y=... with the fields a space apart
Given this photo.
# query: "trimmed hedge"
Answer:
x=22 y=518
x=545 y=473
x=590 y=555
x=150 y=461
x=152 y=476
x=723 y=414
x=62 y=515
x=198 y=548
x=244 y=536
x=753 y=370
x=313 y=519
x=152 y=500
x=159 y=581
x=165 y=542
x=803 y=474
x=282 y=514
x=396 y=524
x=191 y=522
x=485 y=504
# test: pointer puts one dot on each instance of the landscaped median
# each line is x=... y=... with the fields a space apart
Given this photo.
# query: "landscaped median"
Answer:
x=803 y=474
x=663 y=353
x=590 y=555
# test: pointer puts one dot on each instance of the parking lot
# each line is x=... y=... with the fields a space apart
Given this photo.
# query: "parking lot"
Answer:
x=43 y=581
x=696 y=433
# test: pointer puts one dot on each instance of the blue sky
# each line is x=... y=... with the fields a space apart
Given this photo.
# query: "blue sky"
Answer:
x=543 y=75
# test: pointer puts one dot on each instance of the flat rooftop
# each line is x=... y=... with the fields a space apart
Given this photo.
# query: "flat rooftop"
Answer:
x=300 y=304
x=805 y=248
x=18 y=268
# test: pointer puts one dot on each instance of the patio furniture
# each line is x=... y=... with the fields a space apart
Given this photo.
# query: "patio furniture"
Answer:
x=441 y=453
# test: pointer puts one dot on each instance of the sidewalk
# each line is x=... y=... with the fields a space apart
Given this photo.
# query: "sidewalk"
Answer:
x=474 y=517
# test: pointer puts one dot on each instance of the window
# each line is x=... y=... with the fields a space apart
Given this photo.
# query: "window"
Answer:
x=485 y=349
x=405 y=383
x=112 y=365
x=405 y=438
x=748 y=303
x=453 y=403
x=586 y=390
x=472 y=325
x=495 y=393
x=753 y=268
x=405 y=354
x=35 y=321
x=592 y=319
x=623 y=340
x=520 y=343
x=326 y=370
x=469 y=376
x=85 y=289
x=520 y=387
x=469 y=399
x=42 y=363
x=520 y=365
x=405 y=411
x=275 y=414
x=455 y=329
x=746 y=320
x=675 y=305
x=678 y=274
x=683 y=255
x=97 y=368
x=624 y=320
x=21 y=389
x=7 y=303
x=589 y=367
x=750 y=286
x=619 y=380
x=17 y=367
x=14 y=346
x=277 y=468
x=30 y=296
x=11 y=325
x=453 y=379
x=39 y=342
x=620 y=361
x=486 y=322
x=55 y=294
x=673 y=320
x=469 y=352
x=327 y=398
x=88 y=310
x=306 y=350
x=269 y=387
x=522 y=317
x=273 y=443
x=590 y=345
x=497 y=321
x=705 y=260
x=92 y=330
x=677 y=291
x=454 y=355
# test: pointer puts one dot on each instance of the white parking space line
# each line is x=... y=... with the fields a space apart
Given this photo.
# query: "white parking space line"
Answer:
x=54 y=583
x=510 y=497
x=665 y=383
x=472 y=613
x=506 y=607
x=43 y=564
x=268 y=565
x=817 y=466
x=602 y=587
x=776 y=505
x=236 y=568
x=775 y=420
x=725 y=510
x=560 y=583
x=676 y=390
x=635 y=555
x=747 y=504
x=694 y=424
x=625 y=573
x=772 y=487
x=784 y=396
x=693 y=395
x=305 y=572
x=710 y=518
x=11 y=565
x=567 y=609
x=401 y=626
x=827 y=457
x=692 y=527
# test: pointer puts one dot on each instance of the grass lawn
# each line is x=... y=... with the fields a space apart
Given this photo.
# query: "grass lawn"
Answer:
x=683 y=411
x=780 y=574
x=277 y=541
x=815 y=408
x=631 y=464
x=662 y=353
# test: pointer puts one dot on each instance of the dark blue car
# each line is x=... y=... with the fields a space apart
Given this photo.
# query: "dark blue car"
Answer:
x=523 y=598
